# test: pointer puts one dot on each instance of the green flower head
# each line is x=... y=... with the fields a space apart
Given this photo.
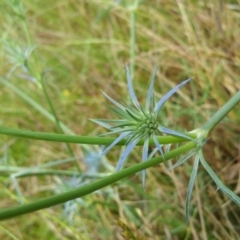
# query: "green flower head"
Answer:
x=137 y=122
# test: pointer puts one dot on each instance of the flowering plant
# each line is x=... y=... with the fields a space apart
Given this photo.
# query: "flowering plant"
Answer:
x=137 y=123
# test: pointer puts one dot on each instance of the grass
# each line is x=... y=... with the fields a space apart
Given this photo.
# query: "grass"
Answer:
x=83 y=47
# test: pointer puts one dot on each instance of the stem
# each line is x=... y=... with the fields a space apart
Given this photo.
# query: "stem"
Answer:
x=221 y=113
x=81 y=139
x=36 y=71
x=132 y=41
x=14 y=172
x=58 y=123
x=87 y=189
x=42 y=172
x=34 y=104
x=39 y=108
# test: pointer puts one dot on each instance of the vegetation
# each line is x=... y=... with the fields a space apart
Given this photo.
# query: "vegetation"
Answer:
x=56 y=57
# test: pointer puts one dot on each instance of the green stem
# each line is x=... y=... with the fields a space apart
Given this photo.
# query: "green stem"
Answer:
x=132 y=41
x=33 y=72
x=221 y=113
x=58 y=123
x=42 y=172
x=90 y=188
x=80 y=139
x=34 y=104
x=17 y=172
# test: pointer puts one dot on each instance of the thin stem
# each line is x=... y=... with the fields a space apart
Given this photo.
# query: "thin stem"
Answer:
x=44 y=172
x=34 y=104
x=221 y=113
x=87 y=189
x=57 y=121
x=40 y=172
x=54 y=137
x=39 y=108
x=132 y=41
x=36 y=71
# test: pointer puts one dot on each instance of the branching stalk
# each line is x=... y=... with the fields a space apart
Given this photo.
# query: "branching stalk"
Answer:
x=54 y=137
x=221 y=113
x=90 y=188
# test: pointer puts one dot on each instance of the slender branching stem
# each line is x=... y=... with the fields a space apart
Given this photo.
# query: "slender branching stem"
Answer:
x=90 y=188
x=221 y=113
x=81 y=139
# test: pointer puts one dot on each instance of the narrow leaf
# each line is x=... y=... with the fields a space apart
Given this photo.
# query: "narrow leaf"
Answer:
x=186 y=157
x=153 y=153
x=168 y=95
x=119 y=112
x=144 y=158
x=150 y=91
x=101 y=123
x=136 y=118
x=175 y=133
x=190 y=186
x=125 y=154
x=218 y=182
x=123 y=135
x=158 y=145
x=131 y=90
x=167 y=149
x=182 y=160
x=113 y=101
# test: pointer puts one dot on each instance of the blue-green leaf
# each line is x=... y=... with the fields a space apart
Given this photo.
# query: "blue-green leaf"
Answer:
x=150 y=92
x=131 y=90
x=168 y=95
x=218 y=182
x=190 y=186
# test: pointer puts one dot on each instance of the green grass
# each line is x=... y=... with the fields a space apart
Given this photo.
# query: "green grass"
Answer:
x=83 y=47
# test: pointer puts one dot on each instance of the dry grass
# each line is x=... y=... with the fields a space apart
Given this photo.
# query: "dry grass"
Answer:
x=85 y=45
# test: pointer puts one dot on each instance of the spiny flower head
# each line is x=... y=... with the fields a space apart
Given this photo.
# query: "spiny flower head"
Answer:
x=137 y=123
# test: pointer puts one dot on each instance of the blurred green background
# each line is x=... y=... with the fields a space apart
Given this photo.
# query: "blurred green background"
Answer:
x=81 y=48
